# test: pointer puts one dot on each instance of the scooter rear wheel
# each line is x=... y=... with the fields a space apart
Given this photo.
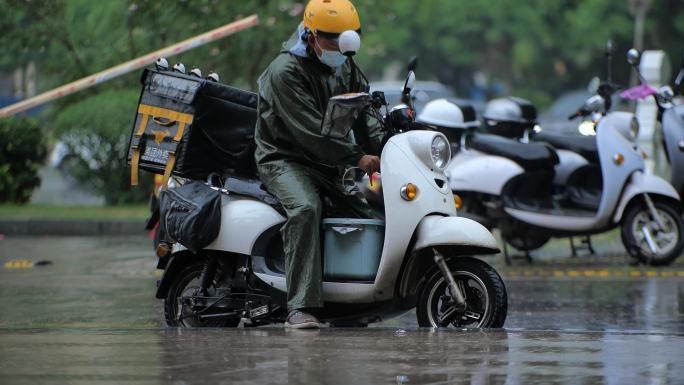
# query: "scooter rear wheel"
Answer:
x=186 y=284
x=482 y=287
x=640 y=232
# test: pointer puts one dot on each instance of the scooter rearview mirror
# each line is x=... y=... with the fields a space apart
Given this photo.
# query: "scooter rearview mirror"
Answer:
x=413 y=63
x=678 y=80
x=594 y=103
x=593 y=85
x=609 y=61
x=410 y=81
x=680 y=76
x=633 y=57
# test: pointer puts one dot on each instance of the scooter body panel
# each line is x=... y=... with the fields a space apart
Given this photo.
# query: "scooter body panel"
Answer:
x=568 y=163
x=400 y=166
x=641 y=183
x=555 y=222
x=243 y=220
x=405 y=159
x=673 y=133
x=435 y=230
x=611 y=139
x=476 y=171
x=612 y=143
x=333 y=292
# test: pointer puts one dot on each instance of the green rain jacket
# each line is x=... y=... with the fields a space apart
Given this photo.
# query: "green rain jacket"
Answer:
x=293 y=95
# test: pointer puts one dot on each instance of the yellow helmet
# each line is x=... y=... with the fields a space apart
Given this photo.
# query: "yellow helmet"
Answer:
x=331 y=17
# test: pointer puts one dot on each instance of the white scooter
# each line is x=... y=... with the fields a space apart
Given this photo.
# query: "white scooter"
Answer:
x=516 y=118
x=670 y=116
x=510 y=185
x=425 y=259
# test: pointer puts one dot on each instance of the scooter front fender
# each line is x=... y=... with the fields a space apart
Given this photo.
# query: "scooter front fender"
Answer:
x=641 y=183
x=456 y=232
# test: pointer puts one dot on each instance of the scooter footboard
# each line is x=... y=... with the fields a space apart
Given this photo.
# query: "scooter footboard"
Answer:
x=456 y=232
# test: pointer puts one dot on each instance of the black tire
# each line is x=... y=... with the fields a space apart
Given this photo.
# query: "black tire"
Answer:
x=186 y=283
x=636 y=245
x=485 y=295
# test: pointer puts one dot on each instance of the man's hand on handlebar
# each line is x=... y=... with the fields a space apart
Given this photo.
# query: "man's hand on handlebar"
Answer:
x=369 y=164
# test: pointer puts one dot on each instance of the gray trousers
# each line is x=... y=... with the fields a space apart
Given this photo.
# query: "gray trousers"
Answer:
x=300 y=189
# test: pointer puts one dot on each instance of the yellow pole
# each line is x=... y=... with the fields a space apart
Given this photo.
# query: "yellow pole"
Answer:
x=129 y=66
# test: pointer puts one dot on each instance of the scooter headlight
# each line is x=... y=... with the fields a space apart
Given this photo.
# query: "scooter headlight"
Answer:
x=440 y=151
x=634 y=127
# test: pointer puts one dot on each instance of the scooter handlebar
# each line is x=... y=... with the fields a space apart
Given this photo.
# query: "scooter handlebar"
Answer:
x=577 y=114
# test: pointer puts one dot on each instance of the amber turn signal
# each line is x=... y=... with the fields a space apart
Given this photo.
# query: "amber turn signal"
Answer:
x=458 y=202
x=618 y=159
x=163 y=250
x=409 y=191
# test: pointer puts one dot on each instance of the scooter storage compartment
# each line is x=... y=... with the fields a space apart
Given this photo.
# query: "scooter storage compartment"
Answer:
x=352 y=248
x=191 y=127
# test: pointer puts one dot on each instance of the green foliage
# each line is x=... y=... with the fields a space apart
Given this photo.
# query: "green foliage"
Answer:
x=532 y=48
x=95 y=132
x=22 y=151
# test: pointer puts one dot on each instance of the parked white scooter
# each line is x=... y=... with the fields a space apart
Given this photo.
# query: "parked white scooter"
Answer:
x=425 y=259
x=516 y=195
x=670 y=116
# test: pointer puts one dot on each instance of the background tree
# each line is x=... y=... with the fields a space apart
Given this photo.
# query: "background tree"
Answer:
x=20 y=159
x=531 y=48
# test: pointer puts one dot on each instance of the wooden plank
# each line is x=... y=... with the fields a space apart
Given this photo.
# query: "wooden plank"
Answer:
x=130 y=66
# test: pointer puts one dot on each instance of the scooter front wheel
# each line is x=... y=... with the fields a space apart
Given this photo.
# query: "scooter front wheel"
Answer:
x=482 y=287
x=646 y=240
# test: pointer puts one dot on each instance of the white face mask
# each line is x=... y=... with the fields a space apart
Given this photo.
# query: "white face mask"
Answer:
x=332 y=59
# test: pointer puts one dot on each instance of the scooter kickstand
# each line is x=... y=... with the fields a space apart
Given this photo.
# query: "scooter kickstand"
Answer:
x=456 y=294
x=507 y=257
x=573 y=248
x=589 y=245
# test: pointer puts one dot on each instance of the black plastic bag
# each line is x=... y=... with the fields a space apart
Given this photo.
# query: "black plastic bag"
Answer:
x=191 y=214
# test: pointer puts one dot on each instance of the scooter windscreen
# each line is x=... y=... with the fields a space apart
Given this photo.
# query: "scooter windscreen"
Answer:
x=341 y=112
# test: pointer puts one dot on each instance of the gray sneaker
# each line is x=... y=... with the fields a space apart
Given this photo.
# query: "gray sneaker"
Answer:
x=298 y=319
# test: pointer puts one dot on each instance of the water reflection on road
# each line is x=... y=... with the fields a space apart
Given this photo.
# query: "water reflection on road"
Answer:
x=339 y=356
x=90 y=317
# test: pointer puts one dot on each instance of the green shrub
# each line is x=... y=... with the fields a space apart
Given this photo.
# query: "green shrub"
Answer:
x=95 y=132
x=22 y=151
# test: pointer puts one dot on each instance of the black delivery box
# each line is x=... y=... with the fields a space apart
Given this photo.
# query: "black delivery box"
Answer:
x=192 y=127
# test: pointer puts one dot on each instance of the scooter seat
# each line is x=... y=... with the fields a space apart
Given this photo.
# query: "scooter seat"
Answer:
x=250 y=187
x=254 y=188
x=583 y=145
x=530 y=156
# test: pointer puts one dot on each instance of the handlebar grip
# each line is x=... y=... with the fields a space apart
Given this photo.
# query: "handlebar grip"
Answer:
x=573 y=116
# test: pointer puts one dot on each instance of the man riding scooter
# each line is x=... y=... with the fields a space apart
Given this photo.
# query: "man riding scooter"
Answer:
x=296 y=161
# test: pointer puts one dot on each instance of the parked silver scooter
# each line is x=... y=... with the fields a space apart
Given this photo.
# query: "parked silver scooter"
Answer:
x=516 y=118
x=509 y=184
x=670 y=116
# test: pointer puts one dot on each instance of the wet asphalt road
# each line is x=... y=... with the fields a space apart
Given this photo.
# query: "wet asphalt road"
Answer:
x=90 y=317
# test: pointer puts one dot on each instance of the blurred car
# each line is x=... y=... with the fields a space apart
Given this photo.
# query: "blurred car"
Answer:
x=422 y=92
x=62 y=157
x=555 y=118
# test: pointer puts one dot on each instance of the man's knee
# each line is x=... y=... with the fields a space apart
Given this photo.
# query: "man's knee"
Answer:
x=309 y=212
